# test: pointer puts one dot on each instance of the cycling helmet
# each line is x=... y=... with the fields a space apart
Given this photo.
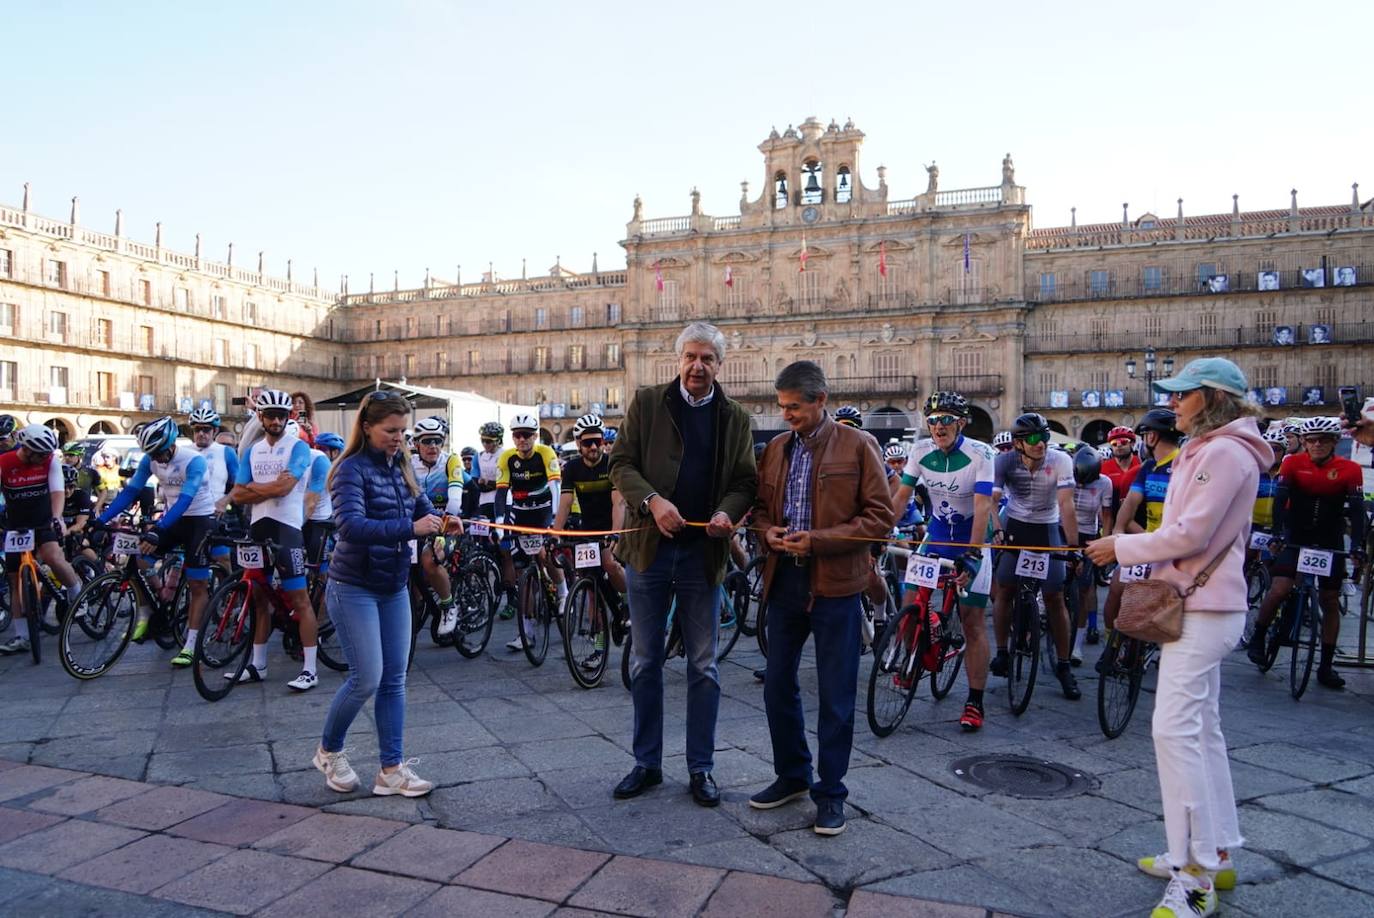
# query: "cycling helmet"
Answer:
x=205 y=417
x=1105 y=452
x=1029 y=423
x=610 y=435
x=491 y=430
x=291 y=429
x=951 y=402
x=74 y=448
x=1162 y=421
x=1002 y=438
x=524 y=422
x=1276 y=436
x=158 y=436
x=467 y=452
x=585 y=423
x=7 y=425
x=69 y=475
x=1330 y=427
x=432 y=426
x=1087 y=466
x=328 y=441
x=894 y=451
x=1120 y=433
x=758 y=450
x=272 y=400
x=848 y=414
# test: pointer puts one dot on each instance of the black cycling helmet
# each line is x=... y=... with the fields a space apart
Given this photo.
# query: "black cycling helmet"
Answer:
x=8 y=423
x=69 y=475
x=1163 y=422
x=951 y=402
x=1029 y=423
x=1087 y=465
x=848 y=414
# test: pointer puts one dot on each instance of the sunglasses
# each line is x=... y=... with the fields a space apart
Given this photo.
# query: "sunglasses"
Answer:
x=430 y=441
x=1121 y=441
x=942 y=420
x=273 y=415
x=1033 y=439
x=201 y=430
x=590 y=441
x=1320 y=438
x=522 y=434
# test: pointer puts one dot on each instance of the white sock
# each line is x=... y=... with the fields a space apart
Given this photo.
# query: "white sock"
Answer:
x=21 y=628
x=310 y=659
x=191 y=635
x=563 y=590
x=1078 y=641
x=259 y=661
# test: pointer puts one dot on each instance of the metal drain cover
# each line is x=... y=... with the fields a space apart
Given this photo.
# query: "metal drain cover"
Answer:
x=1021 y=776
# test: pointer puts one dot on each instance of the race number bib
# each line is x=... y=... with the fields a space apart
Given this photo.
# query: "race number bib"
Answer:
x=923 y=571
x=125 y=543
x=1135 y=573
x=480 y=530
x=18 y=541
x=414 y=551
x=1260 y=540
x=1315 y=561
x=587 y=554
x=250 y=557
x=531 y=544
x=1033 y=564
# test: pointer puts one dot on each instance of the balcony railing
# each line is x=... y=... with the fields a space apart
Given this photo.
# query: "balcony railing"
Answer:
x=1184 y=282
x=1293 y=394
x=840 y=386
x=977 y=384
x=1202 y=228
x=1194 y=339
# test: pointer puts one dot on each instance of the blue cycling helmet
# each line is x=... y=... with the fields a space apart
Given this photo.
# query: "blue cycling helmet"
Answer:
x=329 y=441
x=158 y=436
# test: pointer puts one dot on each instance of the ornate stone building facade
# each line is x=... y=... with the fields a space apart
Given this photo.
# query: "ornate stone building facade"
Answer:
x=952 y=289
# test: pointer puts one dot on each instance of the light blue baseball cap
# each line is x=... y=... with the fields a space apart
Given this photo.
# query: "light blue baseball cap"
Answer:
x=1213 y=372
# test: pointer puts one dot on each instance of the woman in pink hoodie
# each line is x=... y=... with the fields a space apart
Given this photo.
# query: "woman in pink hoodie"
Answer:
x=1207 y=512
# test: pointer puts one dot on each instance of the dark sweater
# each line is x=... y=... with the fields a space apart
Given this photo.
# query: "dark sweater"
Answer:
x=692 y=493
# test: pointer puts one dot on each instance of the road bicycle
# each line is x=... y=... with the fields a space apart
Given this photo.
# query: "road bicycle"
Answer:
x=28 y=601
x=222 y=647
x=1299 y=624
x=1029 y=622
x=595 y=617
x=1121 y=671
x=927 y=637
x=537 y=606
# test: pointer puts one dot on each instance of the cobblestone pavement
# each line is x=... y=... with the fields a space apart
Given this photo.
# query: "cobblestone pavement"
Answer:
x=522 y=754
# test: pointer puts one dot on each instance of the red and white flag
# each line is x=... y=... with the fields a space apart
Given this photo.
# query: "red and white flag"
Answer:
x=882 y=258
x=658 y=276
x=729 y=277
x=802 y=258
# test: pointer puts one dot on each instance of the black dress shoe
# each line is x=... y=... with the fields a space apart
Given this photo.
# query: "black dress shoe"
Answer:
x=704 y=789
x=637 y=782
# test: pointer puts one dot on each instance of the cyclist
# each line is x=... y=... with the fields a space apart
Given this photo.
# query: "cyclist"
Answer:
x=1262 y=519
x=8 y=425
x=1001 y=441
x=1123 y=465
x=487 y=471
x=1092 y=501
x=440 y=475
x=78 y=504
x=271 y=479
x=188 y=505
x=34 y=490
x=958 y=473
x=319 y=505
x=1292 y=435
x=849 y=416
x=221 y=468
x=1038 y=484
x=528 y=475
x=1315 y=489
x=588 y=478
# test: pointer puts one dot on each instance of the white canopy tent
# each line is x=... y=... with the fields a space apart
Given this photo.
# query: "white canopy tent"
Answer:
x=464 y=411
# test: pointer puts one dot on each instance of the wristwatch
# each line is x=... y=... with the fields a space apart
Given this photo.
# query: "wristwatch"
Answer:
x=644 y=504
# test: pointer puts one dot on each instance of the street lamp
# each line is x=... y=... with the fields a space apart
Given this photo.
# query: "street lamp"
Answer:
x=1150 y=371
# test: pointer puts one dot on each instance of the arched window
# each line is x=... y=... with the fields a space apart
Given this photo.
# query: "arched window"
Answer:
x=779 y=191
x=813 y=186
x=844 y=188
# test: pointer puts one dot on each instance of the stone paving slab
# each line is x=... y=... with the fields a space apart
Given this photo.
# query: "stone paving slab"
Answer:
x=634 y=886
x=429 y=853
x=146 y=864
x=345 y=892
x=242 y=881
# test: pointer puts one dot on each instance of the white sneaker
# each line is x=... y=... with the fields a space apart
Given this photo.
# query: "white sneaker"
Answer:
x=338 y=774
x=1076 y=656
x=448 y=620
x=1190 y=894
x=1224 y=877
x=250 y=674
x=303 y=683
x=15 y=645
x=514 y=644
x=402 y=781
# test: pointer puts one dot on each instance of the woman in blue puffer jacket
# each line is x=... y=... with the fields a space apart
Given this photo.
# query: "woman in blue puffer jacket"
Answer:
x=378 y=509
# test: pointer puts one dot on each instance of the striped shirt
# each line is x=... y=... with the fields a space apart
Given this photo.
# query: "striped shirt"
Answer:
x=796 y=498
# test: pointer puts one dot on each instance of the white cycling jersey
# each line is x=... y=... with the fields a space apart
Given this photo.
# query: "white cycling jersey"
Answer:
x=487 y=468
x=264 y=464
x=317 y=481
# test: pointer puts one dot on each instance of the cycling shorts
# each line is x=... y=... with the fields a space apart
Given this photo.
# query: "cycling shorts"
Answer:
x=42 y=535
x=188 y=534
x=1286 y=565
x=290 y=561
x=1019 y=533
x=537 y=518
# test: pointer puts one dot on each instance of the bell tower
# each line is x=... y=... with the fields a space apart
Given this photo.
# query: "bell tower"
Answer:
x=811 y=174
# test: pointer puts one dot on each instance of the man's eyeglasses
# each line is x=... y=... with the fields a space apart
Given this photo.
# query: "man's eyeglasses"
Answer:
x=942 y=420
x=488 y=441
x=522 y=434
x=590 y=441
x=430 y=441
x=1121 y=441
x=1320 y=438
x=1033 y=439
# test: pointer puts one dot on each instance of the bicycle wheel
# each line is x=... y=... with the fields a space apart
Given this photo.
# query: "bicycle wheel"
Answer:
x=97 y=628
x=1306 y=626
x=1118 y=683
x=753 y=580
x=53 y=603
x=1025 y=653
x=730 y=609
x=761 y=622
x=1257 y=580
x=1280 y=632
x=625 y=661
x=946 y=672
x=6 y=616
x=895 y=673
x=33 y=613
x=225 y=639
x=586 y=633
x=533 y=616
x=476 y=611
x=328 y=648
x=178 y=614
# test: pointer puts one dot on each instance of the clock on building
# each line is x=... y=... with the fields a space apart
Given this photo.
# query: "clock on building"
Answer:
x=810 y=214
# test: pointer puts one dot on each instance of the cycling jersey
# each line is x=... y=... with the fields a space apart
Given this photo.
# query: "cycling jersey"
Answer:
x=181 y=481
x=28 y=488
x=488 y=470
x=1033 y=494
x=1313 y=502
x=221 y=468
x=1120 y=478
x=528 y=479
x=952 y=478
x=1263 y=515
x=591 y=487
x=1088 y=503
x=79 y=503
x=263 y=463
x=317 y=475
x=1151 y=483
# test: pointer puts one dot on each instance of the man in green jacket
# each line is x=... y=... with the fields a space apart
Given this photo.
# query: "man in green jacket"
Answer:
x=684 y=463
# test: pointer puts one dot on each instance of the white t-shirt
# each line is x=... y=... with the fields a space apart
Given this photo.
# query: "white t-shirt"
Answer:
x=264 y=464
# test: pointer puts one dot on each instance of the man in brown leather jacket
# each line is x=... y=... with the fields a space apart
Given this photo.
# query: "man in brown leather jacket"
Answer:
x=822 y=492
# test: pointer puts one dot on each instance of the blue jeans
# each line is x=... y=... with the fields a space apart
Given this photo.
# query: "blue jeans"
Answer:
x=835 y=623
x=374 y=632
x=677 y=570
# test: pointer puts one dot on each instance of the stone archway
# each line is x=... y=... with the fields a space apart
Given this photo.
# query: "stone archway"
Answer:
x=886 y=422
x=1059 y=428
x=1095 y=432
x=980 y=426
x=61 y=427
x=102 y=428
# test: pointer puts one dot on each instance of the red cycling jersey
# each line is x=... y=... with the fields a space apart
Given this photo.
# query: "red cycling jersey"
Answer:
x=1317 y=496
x=28 y=488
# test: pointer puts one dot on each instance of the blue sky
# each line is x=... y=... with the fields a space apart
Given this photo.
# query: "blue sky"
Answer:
x=422 y=133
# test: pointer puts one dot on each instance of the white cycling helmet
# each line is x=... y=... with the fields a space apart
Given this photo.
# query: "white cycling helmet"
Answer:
x=1327 y=426
x=431 y=427
x=1105 y=451
x=894 y=451
x=292 y=429
x=272 y=400
x=1292 y=425
x=585 y=423
x=205 y=417
x=1276 y=436
x=37 y=439
x=1002 y=438
x=524 y=422
x=157 y=436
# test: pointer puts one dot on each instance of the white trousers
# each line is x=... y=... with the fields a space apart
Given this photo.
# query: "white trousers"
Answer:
x=1190 y=752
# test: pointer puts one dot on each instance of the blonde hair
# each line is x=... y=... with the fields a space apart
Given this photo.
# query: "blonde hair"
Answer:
x=1219 y=409
x=374 y=410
